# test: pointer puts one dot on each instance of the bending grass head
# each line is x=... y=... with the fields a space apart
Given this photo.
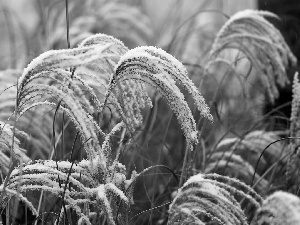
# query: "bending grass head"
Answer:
x=250 y=33
x=61 y=79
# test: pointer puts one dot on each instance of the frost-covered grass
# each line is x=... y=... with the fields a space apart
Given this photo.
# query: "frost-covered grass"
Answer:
x=104 y=133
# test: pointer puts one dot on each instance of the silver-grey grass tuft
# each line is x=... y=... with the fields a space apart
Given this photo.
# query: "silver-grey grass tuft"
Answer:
x=250 y=33
x=210 y=197
x=280 y=208
x=66 y=80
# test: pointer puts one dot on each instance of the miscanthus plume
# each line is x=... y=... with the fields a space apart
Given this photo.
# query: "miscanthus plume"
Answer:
x=251 y=34
x=82 y=83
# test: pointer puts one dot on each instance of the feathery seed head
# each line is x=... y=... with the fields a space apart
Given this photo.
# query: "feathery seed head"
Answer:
x=279 y=208
x=155 y=67
x=250 y=33
x=210 y=195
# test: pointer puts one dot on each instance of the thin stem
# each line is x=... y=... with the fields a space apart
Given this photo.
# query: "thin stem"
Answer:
x=184 y=166
x=68 y=23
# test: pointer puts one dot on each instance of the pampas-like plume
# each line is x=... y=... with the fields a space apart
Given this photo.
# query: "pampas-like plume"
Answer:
x=60 y=79
x=277 y=209
x=80 y=185
x=249 y=32
x=137 y=66
x=231 y=164
x=295 y=123
x=155 y=67
x=293 y=159
x=209 y=195
x=60 y=59
x=251 y=149
x=67 y=87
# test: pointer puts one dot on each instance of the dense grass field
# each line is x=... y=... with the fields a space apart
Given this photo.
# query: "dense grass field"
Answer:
x=107 y=118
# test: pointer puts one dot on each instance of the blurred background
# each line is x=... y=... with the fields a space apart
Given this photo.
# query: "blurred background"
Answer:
x=24 y=22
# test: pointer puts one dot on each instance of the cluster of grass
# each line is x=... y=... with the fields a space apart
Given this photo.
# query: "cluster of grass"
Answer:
x=95 y=130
